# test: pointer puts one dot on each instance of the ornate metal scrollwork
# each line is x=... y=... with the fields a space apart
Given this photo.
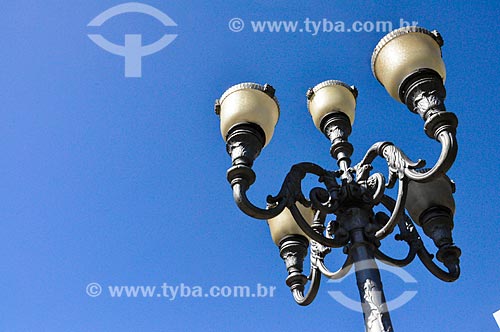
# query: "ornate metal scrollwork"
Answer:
x=399 y=164
x=409 y=234
x=368 y=189
x=350 y=194
x=291 y=190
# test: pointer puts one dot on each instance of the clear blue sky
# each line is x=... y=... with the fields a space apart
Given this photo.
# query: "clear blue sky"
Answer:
x=121 y=181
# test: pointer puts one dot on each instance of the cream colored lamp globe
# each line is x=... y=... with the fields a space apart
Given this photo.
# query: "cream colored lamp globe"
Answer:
x=331 y=97
x=422 y=196
x=248 y=103
x=403 y=52
x=284 y=224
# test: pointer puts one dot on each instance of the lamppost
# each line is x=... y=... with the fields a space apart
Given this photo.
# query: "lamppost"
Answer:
x=408 y=63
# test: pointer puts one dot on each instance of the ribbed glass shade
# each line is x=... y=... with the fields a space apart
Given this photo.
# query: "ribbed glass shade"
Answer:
x=331 y=97
x=284 y=224
x=248 y=102
x=403 y=52
x=422 y=196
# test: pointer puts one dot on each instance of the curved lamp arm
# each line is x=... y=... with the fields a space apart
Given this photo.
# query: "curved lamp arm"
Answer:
x=241 y=199
x=449 y=148
x=442 y=126
x=453 y=270
x=408 y=233
x=397 y=212
x=317 y=268
x=412 y=252
x=417 y=247
x=340 y=273
x=242 y=177
x=307 y=299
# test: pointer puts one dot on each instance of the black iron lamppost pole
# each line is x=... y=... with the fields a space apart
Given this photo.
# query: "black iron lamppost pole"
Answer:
x=408 y=63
